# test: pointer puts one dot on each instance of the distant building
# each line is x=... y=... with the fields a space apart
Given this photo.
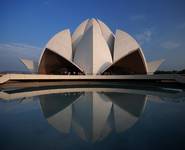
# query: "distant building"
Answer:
x=92 y=49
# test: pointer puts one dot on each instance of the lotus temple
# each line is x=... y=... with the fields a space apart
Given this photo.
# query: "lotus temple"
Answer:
x=91 y=53
x=92 y=49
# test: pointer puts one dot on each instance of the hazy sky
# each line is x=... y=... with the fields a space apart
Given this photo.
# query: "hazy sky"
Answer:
x=27 y=25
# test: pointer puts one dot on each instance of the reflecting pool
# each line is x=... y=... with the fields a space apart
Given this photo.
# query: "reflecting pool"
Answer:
x=92 y=117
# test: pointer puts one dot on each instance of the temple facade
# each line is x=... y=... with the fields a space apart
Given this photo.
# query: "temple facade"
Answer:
x=92 y=49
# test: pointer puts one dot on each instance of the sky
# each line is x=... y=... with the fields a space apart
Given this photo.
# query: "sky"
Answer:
x=27 y=25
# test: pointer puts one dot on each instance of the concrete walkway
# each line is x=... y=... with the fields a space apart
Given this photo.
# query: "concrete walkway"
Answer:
x=38 y=77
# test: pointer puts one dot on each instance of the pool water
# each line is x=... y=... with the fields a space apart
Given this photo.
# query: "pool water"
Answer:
x=92 y=118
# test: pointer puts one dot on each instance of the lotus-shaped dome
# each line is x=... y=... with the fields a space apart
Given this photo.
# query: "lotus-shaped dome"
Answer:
x=93 y=49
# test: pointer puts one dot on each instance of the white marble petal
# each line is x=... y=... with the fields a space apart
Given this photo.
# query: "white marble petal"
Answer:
x=107 y=34
x=92 y=53
x=30 y=65
x=124 y=44
x=61 y=44
x=78 y=33
x=154 y=65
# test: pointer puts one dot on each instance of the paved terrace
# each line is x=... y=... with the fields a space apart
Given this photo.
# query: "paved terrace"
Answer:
x=38 y=77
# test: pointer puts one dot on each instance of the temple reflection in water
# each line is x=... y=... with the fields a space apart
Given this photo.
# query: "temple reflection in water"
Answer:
x=92 y=115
